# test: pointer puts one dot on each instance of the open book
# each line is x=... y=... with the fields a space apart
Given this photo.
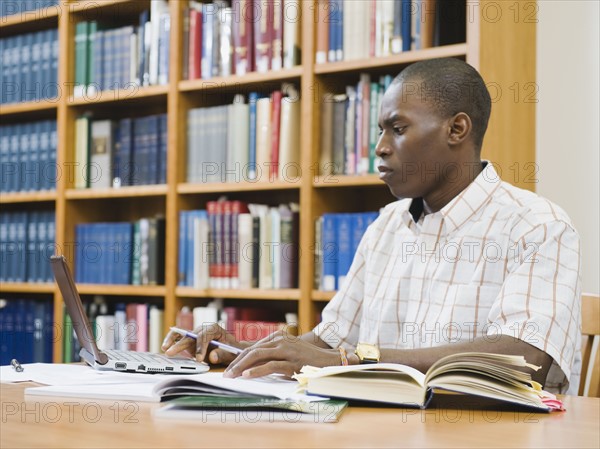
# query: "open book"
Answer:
x=492 y=376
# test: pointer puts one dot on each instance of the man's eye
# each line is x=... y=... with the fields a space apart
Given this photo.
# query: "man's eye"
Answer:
x=380 y=131
x=398 y=129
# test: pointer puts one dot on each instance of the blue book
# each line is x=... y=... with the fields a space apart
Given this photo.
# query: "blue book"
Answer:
x=34 y=156
x=152 y=140
x=43 y=156
x=36 y=64
x=97 y=51
x=39 y=317
x=3 y=58
x=33 y=255
x=125 y=238
x=28 y=332
x=5 y=155
x=18 y=348
x=79 y=243
x=53 y=170
x=206 y=62
x=332 y=30
x=143 y=52
x=406 y=25
x=48 y=331
x=25 y=181
x=329 y=244
x=50 y=245
x=41 y=224
x=125 y=152
x=21 y=275
x=13 y=152
x=182 y=252
x=25 y=72
x=6 y=332
x=4 y=260
x=252 y=99
x=339 y=41
x=163 y=149
x=344 y=224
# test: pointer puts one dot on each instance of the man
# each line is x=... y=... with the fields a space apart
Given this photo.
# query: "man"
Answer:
x=463 y=262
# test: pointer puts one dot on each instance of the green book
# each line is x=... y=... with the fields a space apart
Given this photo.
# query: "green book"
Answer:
x=67 y=338
x=251 y=409
x=81 y=56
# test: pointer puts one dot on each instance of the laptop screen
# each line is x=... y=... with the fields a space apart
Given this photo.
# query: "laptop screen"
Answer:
x=82 y=327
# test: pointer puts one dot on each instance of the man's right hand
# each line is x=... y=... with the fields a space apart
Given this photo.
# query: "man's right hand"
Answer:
x=174 y=344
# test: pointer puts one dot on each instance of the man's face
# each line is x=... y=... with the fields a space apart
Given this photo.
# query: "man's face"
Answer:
x=412 y=146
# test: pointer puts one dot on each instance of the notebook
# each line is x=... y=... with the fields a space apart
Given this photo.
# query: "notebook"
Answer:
x=110 y=359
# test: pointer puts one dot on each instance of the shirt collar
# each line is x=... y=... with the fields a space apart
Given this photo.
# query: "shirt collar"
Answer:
x=462 y=207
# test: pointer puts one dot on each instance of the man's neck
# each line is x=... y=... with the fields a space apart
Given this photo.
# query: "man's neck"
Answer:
x=438 y=200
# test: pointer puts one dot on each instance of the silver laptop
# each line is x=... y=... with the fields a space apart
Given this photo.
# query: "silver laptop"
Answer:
x=112 y=359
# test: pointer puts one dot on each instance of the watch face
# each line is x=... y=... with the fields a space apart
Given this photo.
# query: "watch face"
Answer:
x=367 y=351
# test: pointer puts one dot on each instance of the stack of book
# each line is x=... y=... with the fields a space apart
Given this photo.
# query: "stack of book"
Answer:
x=122 y=58
x=29 y=66
x=130 y=151
x=26 y=330
x=236 y=245
x=337 y=238
x=257 y=141
x=121 y=253
x=26 y=244
x=248 y=36
x=349 y=129
x=349 y=30
x=28 y=156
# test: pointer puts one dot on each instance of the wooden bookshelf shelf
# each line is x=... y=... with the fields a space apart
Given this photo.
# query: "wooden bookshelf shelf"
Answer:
x=121 y=192
x=26 y=287
x=456 y=50
x=275 y=295
x=46 y=17
x=186 y=189
x=133 y=94
x=122 y=290
x=320 y=296
x=28 y=108
x=28 y=197
x=250 y=79
x=347 y=181
x=85 y=6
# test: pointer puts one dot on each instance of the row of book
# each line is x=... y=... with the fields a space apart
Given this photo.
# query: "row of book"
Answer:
x=248 y=36
x=254 y=141
x=349 y=128
x=236 y=245
x=28 y=156
x=27 y=330
x=125 y=57
x=123 y=326
x=9 y=8
x=26 y=244
x=121 y=253
x=115 y=153
x=29 y=67
x=244 y=323
x=336 y=239
x=363 y=29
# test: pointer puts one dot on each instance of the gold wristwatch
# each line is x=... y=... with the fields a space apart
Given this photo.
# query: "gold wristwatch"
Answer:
x=367 y=353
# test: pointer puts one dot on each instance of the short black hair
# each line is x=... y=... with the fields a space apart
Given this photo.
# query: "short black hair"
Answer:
x=452 y=86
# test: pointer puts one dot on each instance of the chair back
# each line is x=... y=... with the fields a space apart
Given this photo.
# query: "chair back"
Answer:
x=590 y=329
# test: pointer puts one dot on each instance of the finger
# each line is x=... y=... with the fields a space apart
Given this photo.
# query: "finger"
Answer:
x=183 y=344
x=205 y=335
x=251 y=357
x=220 y=357
x=171 y=338
x=272 y=367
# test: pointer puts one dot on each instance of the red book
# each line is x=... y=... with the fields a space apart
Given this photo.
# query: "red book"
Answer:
x=226 y=243
x=141 y=318
x=372 y=29
x=241 y=30
x=195 y=44
x=213 y=247
x=244 y=330
x=263 y=35
x=323 y=24
x=131 y=326
x=237 y=208
x=275 y=127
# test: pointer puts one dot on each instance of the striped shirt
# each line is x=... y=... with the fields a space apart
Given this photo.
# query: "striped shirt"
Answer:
x=495 y=260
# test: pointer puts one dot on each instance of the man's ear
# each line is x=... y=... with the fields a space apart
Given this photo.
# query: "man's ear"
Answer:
x=460 y=127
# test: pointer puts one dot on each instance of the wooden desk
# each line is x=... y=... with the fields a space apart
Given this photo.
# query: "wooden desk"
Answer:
x=78 y=423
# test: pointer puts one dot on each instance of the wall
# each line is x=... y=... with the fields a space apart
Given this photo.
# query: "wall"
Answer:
x=567 y=120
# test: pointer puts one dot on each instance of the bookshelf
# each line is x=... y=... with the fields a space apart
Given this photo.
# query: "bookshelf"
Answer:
x=499 y=45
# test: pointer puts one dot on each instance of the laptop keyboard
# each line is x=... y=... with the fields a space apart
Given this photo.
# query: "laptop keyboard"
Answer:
x=131 y=356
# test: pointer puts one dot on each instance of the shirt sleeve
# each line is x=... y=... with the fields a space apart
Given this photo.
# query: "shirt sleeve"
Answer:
x=340 y=319
x=539 y=302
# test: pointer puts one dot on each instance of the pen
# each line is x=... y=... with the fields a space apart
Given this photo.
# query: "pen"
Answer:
x=219 y=344
x=16 y=365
